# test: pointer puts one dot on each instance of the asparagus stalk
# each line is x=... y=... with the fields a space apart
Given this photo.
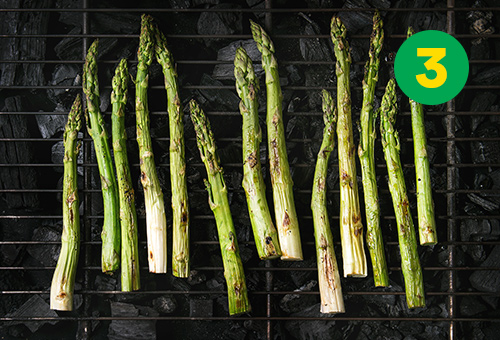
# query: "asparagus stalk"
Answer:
x=217 y=198
x=328 y=271
x=367 y=157
x=180 y=209
x=410 y=264
x=287 y=222
x=156 y=222
x=63 y=281
x=351 y=228
x=128 y=217
x=425 y=204
x=95 y=126
x=247 y=86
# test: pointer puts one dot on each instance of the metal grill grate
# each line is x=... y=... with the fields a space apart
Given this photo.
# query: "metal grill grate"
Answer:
x=443 y=263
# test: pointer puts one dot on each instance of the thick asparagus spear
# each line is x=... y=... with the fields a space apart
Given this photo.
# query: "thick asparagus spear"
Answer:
x=328 y=271
x=287 y=222
x=180 y=208
x=156 y=222
x=247 y=86
x=425 y=204
x=63 y=281
x=217 y=198
x=351 y=228
x=128 y=216
x=95 y=126
x=410 y=263
x=367 y=158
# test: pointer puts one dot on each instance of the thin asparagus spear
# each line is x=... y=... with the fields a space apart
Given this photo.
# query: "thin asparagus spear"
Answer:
x=95 y=126
x=351 y=228
x=217 y=198
x=425 y=204
x=410 y=263
x=180 y=208
x=328 y=272
x=247 y=86
x=156 y=222
x=287 y=222
x=128 y=217
x=367 y=157
x=63 y=281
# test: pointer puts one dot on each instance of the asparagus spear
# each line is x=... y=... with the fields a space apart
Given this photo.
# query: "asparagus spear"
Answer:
x=328 y=271
x=367 y=157
x=156 y=222
x=425 y=204
x=128 y=216
x=180 y=209
x=410 y=264
x=247 y=86
x=63 y=281
x=284 y=207
x=217 y=198
x=95 y=126
x=351 y=228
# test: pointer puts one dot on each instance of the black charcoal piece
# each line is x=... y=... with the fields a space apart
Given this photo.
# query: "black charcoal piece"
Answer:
x=483 y=203
x=35 y=306
x=47 y=254
x=226 y=70
x=196 y=277
x=293 y=303
x=104 y=283
x=355 y=21
x=471 y=305
x=201 y=308
x=219 y=98
x=132 y=329
x=318 y=329
x=50 y=125
x=220 y=23
x=165 y=304
x=488 y=280
x=489 y=76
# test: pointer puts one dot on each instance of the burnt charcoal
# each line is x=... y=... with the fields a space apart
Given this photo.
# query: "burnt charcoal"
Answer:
x=235 y=332
x=35 y=306
x=488 y=280
x=16 y=126
x=470 y=306
x=132 y=329
x=19 y=331
x=358 y=20
x=483 y=203
x=482 y=181
x=50 y=125
x=488 y=77
x=9 y=254
x=418 y=20
x=104 y=283
x=70 y=48
x=165 y=304
x=219 y=98
x=215 y=285
x=46 y=254
x=480 y=22
x=196 y=277
x=313 y=49
x=179 y=283
x=201 y=307
x=411 y=328
x=293 y=303
x=313 y=329
x=220 y=23
x=64 y=75
x=259 y=5
x=300 y=277
x=482 y=102
x=486 y=151
x=227 y=53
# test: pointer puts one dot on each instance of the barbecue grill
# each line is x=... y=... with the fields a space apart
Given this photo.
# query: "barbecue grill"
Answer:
x=43 y=48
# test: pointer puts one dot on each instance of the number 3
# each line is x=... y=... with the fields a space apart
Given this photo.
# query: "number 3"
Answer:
x=436 y=55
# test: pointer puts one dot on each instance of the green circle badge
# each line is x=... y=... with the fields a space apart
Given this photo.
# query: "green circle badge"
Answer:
x=431 y=67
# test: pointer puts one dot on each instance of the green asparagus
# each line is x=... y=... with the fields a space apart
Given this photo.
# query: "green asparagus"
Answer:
x=367 y=158
x=351 y=228
x=95 y=126
x=410 y=263
x=287 y=222
x=247 y=86
x=128 y=217
x=217 y=198
x=156 y=222
x=328 y=272
x=63 y=281
x=180 y=208
x=425 y=204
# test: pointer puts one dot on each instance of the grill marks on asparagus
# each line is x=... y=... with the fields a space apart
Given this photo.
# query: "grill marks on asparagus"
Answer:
x=96 y=129
x=63 y=280
x=410 y=264
x=351 y=228
x=367 y=158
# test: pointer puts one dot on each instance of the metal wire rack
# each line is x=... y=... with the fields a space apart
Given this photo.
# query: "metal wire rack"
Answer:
x=266 y=296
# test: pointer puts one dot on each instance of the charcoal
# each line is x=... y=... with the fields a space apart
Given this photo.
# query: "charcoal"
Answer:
x=480 y=22
x=483 y=203
x=215 y=285
x=300 y=277
x=259 y=5
x=482 y=102
x=488 y=280
x=201 y=307
x=484 y=151
x=418 y=20
x=35 y=306
x=196 y=277
x=470 y=306
x=132 y=329
x=220 y=23
x=46 y=254
x=313 y=49
x=235 y=332
x=482 y=181
x=227 y=53
x=50 y=125
x=219 y=98
x=70 y=48
x=293 y=303
x=104 y=283
x=313 y=329
x=165 y=304
x=489 y=76
x=19 y=331
x=358 y=20
x=16 y=126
